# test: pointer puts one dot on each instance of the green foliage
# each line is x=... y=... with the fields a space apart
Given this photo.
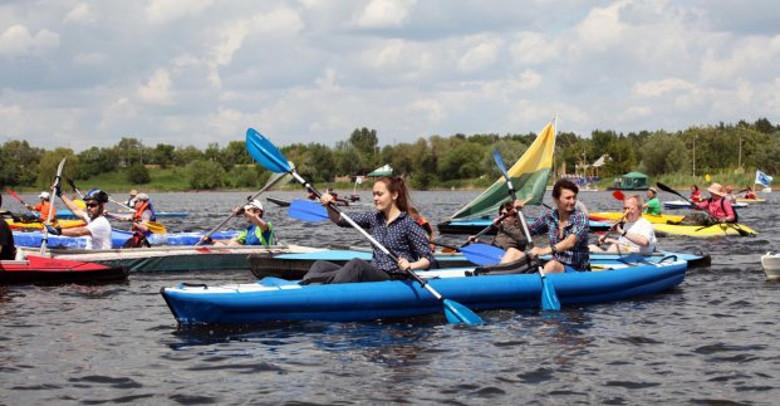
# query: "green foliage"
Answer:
x=364 y=140
x=204 y=175
x=663 y=153
x=47 y=167
x=19 y=163
x=137 y=174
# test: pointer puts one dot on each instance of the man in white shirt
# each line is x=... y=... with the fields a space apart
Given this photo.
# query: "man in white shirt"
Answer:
x=636 y=234
x=98 y=229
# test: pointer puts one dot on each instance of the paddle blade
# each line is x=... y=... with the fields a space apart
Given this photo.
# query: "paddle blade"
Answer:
x=156 y=227
x=457 y=313
x=306 y=210
x=549 y=297
x=482 y=254
x=265 y=153
x=618 y=195
x=500 y=163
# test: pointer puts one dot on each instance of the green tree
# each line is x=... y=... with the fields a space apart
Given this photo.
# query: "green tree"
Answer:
x=130 y=151
x=138 y=174
x=663 y=153
x=163 y=155
x=204 y=175
x=364 y=140
x=19 y=163
x=184 y=155
x=47 y=167
x=95 y=161
x=461 y=162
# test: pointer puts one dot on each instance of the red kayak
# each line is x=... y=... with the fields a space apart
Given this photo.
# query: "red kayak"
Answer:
x=51 y=270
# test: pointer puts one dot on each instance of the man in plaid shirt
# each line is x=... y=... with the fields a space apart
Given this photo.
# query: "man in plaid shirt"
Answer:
x=567 y=230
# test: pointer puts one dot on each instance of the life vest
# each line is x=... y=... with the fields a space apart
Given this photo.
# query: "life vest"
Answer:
x=423 y=222
x=256 y=236
x=138 y=215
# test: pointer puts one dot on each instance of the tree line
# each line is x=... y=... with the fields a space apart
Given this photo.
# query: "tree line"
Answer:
x=428 y=162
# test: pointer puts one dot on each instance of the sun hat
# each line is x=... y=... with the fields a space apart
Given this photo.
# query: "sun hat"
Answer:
x=716 y=189
x=142 y=197
x=254 y=204
x=44 y=195
x=653 y=189
x=133 y=192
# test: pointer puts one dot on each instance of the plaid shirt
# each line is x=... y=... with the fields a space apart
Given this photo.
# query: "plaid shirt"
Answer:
x=403 y=237
x=579 y=256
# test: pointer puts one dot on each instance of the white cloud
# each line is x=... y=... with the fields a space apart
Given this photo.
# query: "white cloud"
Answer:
x=480 y=55
x=80 y=14
x=17 y=40
x=385 y=13
x=158 y=89
x=164 y=11
x=661 y=87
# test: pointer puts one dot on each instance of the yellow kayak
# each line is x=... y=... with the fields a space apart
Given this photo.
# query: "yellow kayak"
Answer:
x=718 y=230
x=652 y=218
x=39 y=226
x=742 y=199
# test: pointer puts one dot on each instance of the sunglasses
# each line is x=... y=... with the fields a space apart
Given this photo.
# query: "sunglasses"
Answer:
x=91 y=205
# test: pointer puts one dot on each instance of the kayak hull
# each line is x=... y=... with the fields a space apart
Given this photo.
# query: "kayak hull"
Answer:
x=474 y=226
x=67 y=214
x=682 y=204
x=274 y=299
x=718 y=230
x=43 y=270
x=118 y=238
x=292 y=266
x=652 y=218
x=39 y=226
x=175 y=259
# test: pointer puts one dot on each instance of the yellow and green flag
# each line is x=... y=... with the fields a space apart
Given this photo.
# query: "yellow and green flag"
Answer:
x=529 y=178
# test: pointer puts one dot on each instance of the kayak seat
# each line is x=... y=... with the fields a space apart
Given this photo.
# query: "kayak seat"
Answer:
x=521 y=266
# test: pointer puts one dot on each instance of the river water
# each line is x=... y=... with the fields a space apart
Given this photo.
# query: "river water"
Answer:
x=712 y=340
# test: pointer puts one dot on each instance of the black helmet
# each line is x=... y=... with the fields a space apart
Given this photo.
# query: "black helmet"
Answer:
x=96 y=195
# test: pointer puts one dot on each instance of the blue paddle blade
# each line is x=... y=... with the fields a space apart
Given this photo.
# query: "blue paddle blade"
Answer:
x=482 y=254
x=500 y=163
x=457 y=313
x=265 y=153
x=306 y=210
x=549 y=297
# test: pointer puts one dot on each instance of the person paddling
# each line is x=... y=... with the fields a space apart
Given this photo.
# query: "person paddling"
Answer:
x=750 y=194
x=259 y=231
x=392 y=227
x=695 y=194
x=636 y=234
x=98 y=229
x=717 y=209
x=143 y=214
x=653 y=206
x=43 y=207
x=567 y=230
x=509 y=234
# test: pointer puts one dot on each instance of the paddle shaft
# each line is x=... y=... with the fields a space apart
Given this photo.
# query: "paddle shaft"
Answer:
x=15 y=196
x=277 y=177
x=57 y=181
x=486 y=229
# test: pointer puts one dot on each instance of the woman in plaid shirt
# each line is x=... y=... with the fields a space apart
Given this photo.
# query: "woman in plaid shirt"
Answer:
x=567 y=230
x=391 y=226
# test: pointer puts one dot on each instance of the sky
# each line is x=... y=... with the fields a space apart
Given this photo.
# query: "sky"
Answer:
x=78 y=74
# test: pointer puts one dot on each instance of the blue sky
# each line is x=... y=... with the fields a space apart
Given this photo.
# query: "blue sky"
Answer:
x=193 y=72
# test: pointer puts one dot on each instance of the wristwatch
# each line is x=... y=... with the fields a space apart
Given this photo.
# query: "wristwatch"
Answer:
x=553 y=251
x=624 y=233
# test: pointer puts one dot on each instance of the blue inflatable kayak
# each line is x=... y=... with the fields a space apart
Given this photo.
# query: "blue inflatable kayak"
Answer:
x=118 y=238
x=273 y=299
x=475 y=225
x=293 y=266
x=67 y=214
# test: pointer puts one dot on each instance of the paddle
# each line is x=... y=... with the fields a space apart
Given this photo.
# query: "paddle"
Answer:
x=57 y=181
x=122 y=205
x=665 y=188
x=267 y=155
x=270 y=183
x=15 y=196
x=549 y=297
x=618 y=195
